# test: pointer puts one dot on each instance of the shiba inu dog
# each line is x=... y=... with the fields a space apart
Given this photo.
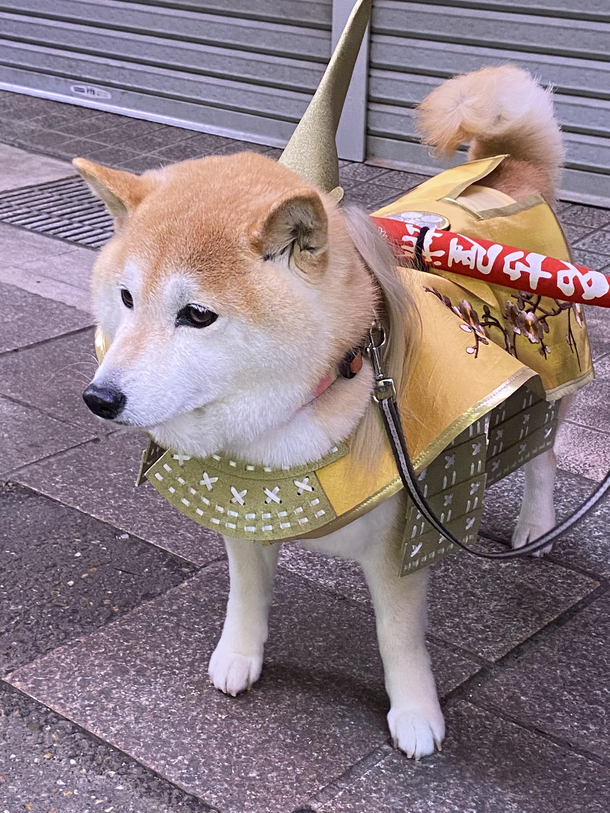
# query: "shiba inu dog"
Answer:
x=230 y=293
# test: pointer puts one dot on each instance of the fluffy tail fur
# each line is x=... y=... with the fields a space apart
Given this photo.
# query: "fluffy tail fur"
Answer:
x=498 y=110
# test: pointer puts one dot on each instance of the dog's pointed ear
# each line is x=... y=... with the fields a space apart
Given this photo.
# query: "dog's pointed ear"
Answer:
x=295 y=226
x=122 y=192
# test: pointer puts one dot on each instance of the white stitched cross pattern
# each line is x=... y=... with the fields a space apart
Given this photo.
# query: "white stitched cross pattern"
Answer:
x=207 y=481
x=303 y=485
x=272 y=496
x=238 y=496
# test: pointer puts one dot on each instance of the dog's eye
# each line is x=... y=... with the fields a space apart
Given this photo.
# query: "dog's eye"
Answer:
x=127 y=298
x=196 y=316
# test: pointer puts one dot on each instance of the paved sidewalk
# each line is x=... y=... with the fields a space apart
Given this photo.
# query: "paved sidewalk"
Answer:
x=111 y=603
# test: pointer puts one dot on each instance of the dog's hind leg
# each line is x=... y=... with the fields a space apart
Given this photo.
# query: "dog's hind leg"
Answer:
x=415 y=718
x=537 y=515
x=237 y=660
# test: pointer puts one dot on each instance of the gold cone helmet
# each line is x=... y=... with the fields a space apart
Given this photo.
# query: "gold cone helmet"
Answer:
x=312 y=151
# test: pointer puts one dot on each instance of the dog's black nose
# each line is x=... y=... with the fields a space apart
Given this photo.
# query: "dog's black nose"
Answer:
x=104 y=401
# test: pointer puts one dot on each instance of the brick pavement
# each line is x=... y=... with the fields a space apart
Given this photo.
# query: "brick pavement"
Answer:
x=111 y=602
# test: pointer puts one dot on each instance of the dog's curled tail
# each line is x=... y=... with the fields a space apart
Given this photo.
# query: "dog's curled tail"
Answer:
x=499 y=110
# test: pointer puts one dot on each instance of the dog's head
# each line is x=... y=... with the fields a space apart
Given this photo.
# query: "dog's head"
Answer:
x=230 y=288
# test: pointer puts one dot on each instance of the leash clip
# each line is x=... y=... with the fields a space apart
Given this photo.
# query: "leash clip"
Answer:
x=384 y=387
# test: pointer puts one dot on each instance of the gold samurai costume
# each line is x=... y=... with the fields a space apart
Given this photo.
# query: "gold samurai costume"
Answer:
x=480 y=346
x=463 y=373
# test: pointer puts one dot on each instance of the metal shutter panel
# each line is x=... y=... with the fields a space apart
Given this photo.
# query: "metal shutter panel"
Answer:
x=414 y=46
x=248 y=70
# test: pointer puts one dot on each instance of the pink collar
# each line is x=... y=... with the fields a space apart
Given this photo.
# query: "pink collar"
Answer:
x=348 y=367
x=324 y=384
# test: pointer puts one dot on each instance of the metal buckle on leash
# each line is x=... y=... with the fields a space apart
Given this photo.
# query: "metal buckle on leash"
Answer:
x=384 y=387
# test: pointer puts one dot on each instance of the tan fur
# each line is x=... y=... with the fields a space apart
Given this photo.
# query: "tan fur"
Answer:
x=520 y=179
x=219 y=220
x=206 y=217
x=499 y=110
x=121 y=191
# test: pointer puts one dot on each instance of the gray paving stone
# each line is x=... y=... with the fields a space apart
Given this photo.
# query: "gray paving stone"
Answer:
x=32 y=105
x=142 y=136
x=342 y=576
x=65 y=574
x=17 y=113
x=194 y=147
x=146 y=142
x=20 y=168
x=369 y=196
x=319 y=707
x=18 y=246
x=562 y=205
x=560 y=686
x=487 y=607
x=98 y=478
x=142 y=163
x=583 y=451
x=591 y=259
x=139 y=127
x=274 y=152
x=12 y=131
x=64 y=277
x=400 y=182
x=598 y=325
x=585 y=216
x=52 y=765
x=77 y=148
x=584 y=547
x=150 y=142
x=591 y=405
x=73 y=267
x=483 y=607
x=575 y=232
x=32 y=280
x=52 y=376
x=46 y=139
x=73 y=112
x=488 y=765
x=91 y=126
x=360 y=172
x=401 y=179
x=27 y=435
x=598 y=241
x=242 y=146
x=111 y=156
x=28 y=318
x=54 y=121
x=183 y=151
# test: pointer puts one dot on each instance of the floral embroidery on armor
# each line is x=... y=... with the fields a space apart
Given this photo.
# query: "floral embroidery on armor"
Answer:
x=525 y=316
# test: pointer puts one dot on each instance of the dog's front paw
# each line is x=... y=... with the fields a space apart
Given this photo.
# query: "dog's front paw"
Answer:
x=526 y=532
x=417 y=732
x=233 y=672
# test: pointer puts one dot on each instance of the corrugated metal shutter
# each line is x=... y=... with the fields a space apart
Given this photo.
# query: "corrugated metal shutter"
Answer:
x=246 y=68
x=565 y=44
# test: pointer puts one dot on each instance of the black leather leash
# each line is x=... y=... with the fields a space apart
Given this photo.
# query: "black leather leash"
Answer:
x=385 y=395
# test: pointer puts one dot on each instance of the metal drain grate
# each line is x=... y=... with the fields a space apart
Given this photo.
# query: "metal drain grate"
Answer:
x=64 y=209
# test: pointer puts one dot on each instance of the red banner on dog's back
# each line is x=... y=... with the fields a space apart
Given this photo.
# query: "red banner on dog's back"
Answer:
x=498 y=264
